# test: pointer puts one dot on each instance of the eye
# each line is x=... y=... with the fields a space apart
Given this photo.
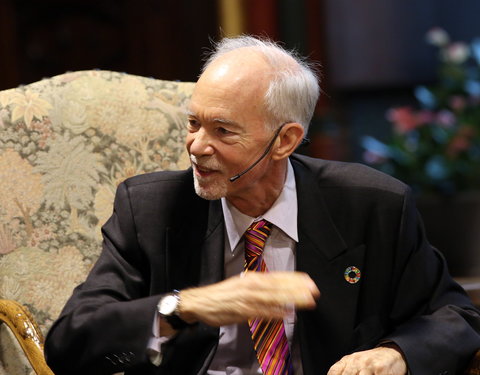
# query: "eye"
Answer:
x=193 y=125
x=224 y=131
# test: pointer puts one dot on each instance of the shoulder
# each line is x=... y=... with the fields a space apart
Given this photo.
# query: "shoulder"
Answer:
x=347 y=176
x=159 y=178
x=163 y=189
x=353 y=194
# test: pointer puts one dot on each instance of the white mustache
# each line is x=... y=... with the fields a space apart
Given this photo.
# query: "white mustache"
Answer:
x=206 y=162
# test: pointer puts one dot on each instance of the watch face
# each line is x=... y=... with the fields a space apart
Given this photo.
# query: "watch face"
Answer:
x=168 y=304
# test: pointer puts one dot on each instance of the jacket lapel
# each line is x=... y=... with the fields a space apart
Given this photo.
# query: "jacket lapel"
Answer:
x=198 y=343
x=324 y=255
x=212 y=250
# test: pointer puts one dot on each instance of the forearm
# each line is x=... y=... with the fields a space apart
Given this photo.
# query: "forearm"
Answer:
x=443 y=341
x=95 y=340
x=435 y=324
x=235 y=300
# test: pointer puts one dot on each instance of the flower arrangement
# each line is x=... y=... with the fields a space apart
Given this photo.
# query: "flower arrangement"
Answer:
x=436 y=146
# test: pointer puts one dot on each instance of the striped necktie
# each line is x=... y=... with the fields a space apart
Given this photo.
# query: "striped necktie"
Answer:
x=269 y=339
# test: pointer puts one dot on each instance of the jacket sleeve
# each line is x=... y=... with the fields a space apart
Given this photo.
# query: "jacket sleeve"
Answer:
x=436 y=325
x=87 y=337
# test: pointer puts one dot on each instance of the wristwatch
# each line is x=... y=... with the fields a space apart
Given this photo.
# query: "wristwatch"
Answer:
x=168 y=309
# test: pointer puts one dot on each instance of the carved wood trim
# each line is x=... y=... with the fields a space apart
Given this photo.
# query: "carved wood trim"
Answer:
x=474 y=366
x=27 y=332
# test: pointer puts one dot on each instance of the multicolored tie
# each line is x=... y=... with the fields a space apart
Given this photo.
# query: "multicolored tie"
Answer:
x=269 y=339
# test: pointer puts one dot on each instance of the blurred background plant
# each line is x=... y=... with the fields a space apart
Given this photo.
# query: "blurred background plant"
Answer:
x=435 y=147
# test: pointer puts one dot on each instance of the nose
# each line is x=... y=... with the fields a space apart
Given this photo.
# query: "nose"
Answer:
x=199 y=143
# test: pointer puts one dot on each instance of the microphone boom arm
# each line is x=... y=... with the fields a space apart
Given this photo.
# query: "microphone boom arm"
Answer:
x=267 y=150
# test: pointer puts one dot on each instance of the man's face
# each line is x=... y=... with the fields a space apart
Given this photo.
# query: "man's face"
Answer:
x=227 y=129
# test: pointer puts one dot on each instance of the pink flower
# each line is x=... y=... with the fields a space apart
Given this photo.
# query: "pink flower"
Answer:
x=373 y=158
x=462 y=141
x=456 y=53
x=425 y=116
x=446 y=118
x=457 y=102
x=404 y=119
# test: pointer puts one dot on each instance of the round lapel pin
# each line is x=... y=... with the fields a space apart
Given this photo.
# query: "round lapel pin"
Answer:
x=352 y=274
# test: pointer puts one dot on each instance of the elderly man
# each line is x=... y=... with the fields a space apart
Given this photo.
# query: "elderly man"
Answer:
x=256 y=260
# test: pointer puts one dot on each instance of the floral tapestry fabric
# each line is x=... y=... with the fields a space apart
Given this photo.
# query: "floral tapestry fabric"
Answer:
x=65 y=144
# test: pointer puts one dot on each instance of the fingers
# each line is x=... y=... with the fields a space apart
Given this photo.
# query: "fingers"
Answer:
x=254 y=294
x=281 y=289
x=378 y=361
x=337 y=368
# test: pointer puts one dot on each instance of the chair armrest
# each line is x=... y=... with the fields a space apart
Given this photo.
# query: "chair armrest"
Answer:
x=474 y=366
x=27 y=333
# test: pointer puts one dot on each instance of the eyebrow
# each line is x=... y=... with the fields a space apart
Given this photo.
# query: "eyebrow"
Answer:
x=226 y=122
x=219 y=120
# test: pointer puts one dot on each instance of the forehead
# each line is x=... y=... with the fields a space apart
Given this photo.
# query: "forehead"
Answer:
x=232 y=88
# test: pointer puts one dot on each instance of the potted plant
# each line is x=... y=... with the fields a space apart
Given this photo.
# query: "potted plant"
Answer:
x=435 y=148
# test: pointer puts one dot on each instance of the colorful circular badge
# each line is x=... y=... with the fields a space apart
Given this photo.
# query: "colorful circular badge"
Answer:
x=352 y=274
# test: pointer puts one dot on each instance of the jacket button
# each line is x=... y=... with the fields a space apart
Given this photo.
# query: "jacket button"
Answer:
x=128 y=356
x=110 y=360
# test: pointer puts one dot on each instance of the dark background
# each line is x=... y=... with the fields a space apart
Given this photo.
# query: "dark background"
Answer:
x=372 y=52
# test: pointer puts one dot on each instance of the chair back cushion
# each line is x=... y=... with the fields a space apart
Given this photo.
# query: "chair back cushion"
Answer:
x=65 y=144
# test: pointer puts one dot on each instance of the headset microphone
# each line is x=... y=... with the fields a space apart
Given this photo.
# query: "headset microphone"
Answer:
x=305 y=141
x=267 y=150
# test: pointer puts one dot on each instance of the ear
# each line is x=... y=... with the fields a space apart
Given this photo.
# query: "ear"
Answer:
x=288 y=140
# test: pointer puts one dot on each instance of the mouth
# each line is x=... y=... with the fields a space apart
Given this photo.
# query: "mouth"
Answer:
x=201 y=171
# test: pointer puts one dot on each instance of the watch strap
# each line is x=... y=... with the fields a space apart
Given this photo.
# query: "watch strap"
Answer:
x=175 y=322
x=174 y=319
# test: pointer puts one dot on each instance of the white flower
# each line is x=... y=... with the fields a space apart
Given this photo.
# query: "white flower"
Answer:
x=456 y=53
x=437 y=37
x=29 y=105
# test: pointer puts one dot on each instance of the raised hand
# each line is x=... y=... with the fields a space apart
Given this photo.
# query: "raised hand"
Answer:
x=252 y=294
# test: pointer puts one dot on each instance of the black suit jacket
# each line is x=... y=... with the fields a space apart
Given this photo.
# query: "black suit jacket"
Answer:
x=162 y=236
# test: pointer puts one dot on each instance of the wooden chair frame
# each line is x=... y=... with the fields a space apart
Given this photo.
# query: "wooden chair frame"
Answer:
x=27 y=333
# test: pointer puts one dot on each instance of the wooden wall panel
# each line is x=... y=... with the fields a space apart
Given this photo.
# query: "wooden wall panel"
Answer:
x=164 y=39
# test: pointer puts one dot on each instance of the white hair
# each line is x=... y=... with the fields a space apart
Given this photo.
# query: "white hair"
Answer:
x=294 y=89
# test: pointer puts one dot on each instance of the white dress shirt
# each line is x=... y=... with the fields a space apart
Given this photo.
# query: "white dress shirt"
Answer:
x=235 y=354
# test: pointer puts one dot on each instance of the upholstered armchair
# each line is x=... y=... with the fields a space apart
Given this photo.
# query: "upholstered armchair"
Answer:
x=65 y=143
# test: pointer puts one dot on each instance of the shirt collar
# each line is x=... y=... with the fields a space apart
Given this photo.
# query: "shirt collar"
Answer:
x=282 y=214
